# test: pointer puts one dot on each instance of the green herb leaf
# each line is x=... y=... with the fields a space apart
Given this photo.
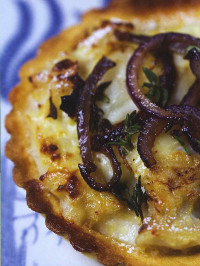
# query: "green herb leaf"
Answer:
x=156 y=92
x=186 y=148
x=124 y=151
x=126 y=142
x=100 y=93
x=151 y=76
x=131 y=127
x=189 y=48
x=147 y=85
x=150 y=93
x=139 y=196
x=130 y=124
x=135 y=200
x=165 y=96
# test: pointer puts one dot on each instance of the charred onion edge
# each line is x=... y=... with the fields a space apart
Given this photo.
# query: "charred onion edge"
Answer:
x=145 y=143
x=135 y=63
x=90 y=167
x=69 y=103
x=151 y=129
x=193 y=95
x=190 y=123
x=130 y=37
x=154 y=126
x=83 y=120
x=176 y=47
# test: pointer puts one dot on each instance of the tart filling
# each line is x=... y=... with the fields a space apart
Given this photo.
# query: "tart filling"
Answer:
x=113 y=129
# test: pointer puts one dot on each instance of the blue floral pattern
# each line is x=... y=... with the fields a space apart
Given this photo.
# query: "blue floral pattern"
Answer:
x=27 y=23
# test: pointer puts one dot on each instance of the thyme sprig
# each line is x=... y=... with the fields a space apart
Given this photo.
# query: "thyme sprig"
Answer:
x=156 y=92
x=131 y=127
x=130 y=124
x=100 y=93
x=135 y=200
x=185 y=147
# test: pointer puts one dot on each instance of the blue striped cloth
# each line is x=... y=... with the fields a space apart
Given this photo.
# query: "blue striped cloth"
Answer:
x=25 y=25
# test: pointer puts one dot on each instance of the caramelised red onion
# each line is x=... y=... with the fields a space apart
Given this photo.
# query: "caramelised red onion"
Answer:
x=89 y=167
x=83 y=121
x=69 y=103
x=177 y=47
x=151 y=129
x=154 y=126
x=130 y=37
x=157 y=42
x=192 y=98
x=190 y=122
x=193 y=95
x=193 y=131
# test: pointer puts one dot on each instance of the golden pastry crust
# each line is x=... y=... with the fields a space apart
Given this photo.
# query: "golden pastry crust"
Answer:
x=26 y=171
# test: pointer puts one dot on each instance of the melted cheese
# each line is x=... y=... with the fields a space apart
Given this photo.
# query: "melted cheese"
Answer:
x=174 y=186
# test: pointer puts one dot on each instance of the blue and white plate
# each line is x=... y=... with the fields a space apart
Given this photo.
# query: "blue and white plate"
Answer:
x=25 y=24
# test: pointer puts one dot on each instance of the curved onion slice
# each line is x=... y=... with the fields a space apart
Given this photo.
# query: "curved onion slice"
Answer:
x=89 y=167
x=154 y=126
x=83 y=121
x=160 y=41
x=177 y=47
x=151 y=129
x=130 y=37
x=192 y=98
x=191 y=123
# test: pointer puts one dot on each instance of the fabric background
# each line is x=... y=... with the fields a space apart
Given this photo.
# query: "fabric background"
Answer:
x=25 y=24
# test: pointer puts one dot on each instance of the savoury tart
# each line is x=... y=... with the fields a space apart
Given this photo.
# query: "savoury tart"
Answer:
x=105 y=133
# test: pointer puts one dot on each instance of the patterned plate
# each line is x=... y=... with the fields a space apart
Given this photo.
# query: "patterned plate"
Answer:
x=25 y=25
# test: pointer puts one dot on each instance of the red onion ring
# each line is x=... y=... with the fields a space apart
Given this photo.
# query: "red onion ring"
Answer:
x=88 y=167
x=151 y=129
x=149 y=132
x=156 y=42
x=192 y=98
x=83 y=121
x=177 y=47
x=154 y=126
x=190 y=123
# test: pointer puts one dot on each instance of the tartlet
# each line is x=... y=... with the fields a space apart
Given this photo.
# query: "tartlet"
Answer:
x=45 y=146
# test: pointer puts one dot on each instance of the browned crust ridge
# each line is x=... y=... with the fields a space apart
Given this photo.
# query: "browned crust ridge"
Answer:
x=38 y=198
